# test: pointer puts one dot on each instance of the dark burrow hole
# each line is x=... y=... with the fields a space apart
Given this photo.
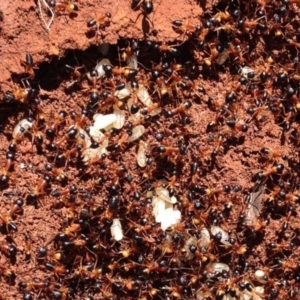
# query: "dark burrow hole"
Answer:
x=50 y=75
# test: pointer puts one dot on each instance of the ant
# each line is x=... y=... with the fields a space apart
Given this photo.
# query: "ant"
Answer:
x=10 y=250
x=293 y=43
x=277 y=169
x=161 y=88
x=164 y=48
x=20 y=94
x=288 y=119
x=237 y=52
x=236 y=247
x=7 y=218
x=247 y=25
x=129 y=54
x=273 y=195
x=36 y=283
x=256 y=113
x=214 y=55
x=44 y=254
x=70 y=7
x=271 y=153
x=281 y=247
x=8 y=274
x=55 y=119
x=180 y=109
x=76 y=75
x=94 y=92
x=238 y=125
x=152 y=110
x=100 y=22
x=222 y=16
x=72 y=229
x=58 y=173
x=28 y=242
x=219 y=145
x=288 y=265
x=200 y=33
x=28 y=66
x=4 y=177
x=40 y=189
x=257 y=226
x=126 y=71
x=183 y=27
x=206 y=191
x=58 y=270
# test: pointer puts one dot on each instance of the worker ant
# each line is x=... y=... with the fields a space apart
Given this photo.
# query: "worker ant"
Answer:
x=147 y=9
x=99 y=23
x=68 y=7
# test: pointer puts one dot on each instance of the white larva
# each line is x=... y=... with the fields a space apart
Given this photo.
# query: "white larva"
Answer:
x=92 y=153
x=204 y=239
x=120 y=121
x=261 y=276
x=99 y=69
x=123 y=93
x=188 y=243
x=224 y=235
x=136 y=118
x=223 y=57
x=116 y=230
x=83 y=136
x=219 y=267
x=144 y=96
x=155 y=112
x=245 y=70
x=158 y=209
x=170 y=217
x=247 y=295
x=141 y=154
x=102 y=121
x=23 y=126
x=95 y=134
x=137 y=132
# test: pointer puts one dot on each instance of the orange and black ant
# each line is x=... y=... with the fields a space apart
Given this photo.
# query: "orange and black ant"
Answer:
x=7 y=218
x=100 y=22
x=147 y=9
x=183 y=28
x=28 y=66
x=20 y=94
x=70 y=8
x=275 y=169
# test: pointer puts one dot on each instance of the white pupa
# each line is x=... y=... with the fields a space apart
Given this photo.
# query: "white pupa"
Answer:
x=102 y=121
x=137 y=132
x=116 y=230
x=141 y=154
x=144 y=96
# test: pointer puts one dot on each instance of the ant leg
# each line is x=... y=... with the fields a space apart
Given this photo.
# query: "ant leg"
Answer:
x=136 y=18
x=136 y=6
